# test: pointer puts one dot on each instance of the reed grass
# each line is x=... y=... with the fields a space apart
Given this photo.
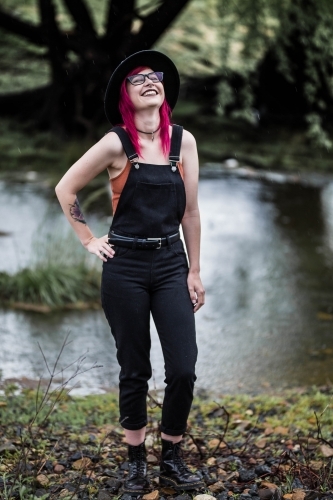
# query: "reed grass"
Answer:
x=60 y=274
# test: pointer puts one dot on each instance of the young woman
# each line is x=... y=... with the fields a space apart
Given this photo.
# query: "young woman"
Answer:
x=153 y=170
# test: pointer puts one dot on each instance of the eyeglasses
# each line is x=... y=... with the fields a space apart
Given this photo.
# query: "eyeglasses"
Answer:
x=139 y=79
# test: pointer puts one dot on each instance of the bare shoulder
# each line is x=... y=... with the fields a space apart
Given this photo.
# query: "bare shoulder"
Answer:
x=111 y=143
x=188 y=141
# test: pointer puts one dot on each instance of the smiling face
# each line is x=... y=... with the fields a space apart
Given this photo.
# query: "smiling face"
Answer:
x=147 y=95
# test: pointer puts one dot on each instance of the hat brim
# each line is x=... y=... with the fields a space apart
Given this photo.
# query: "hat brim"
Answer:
x=153 y=59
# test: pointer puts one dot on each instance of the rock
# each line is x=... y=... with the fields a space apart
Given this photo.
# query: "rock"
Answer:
x=82 y=464
x=298 y=494
x=245 y=476
x=245 y=496
x=281 y=430
x=151 y=459
x=58 y=468
x=104 y=495
x=7 y=447
x=126 y=497
x=266 y=493
x=297 y=484
x=204 y=497
x=211 y=461
x=113 y=484
x=42 y=480
x=231 y=163
x=124 y=466
x=216 y=487
x=182 y=497
x=262 y=470
x=222 y=496
x=326 y=451
x=261 y=443
x=151 y=496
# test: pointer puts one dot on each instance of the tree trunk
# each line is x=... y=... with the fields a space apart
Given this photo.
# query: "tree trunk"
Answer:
x=73 y=102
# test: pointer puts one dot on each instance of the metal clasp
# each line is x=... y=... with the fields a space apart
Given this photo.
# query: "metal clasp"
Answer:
x=158 y=240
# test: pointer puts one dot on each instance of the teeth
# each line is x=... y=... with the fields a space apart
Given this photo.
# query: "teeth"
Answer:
x=150 y=92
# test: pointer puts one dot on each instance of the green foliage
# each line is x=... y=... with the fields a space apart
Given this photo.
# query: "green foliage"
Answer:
x=61 y=276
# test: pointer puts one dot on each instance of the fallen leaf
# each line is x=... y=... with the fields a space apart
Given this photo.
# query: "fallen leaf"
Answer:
x=326 y=450
x=216 y=487
x=154 y=495
x=82 y=463
x=211 y=461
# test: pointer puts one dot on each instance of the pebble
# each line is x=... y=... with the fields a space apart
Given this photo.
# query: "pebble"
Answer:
x=42 y=480
x=211 y=461
x=58 y=468
x=261 y=470
x=204 y=497
x=298 y=494
x=151 y=496
x=245 y=476
x=182 y=497
x=151 y=459
x=104 y=495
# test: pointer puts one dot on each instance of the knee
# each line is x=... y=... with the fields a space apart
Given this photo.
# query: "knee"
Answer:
x=181 y=376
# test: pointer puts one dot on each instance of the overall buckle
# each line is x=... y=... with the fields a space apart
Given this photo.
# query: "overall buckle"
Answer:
x=157 y=240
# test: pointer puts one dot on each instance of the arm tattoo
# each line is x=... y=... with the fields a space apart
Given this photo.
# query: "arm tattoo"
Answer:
x=76 y=213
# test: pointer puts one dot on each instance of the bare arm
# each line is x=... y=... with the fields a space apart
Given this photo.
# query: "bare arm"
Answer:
x=191 y=219
x=103 y=154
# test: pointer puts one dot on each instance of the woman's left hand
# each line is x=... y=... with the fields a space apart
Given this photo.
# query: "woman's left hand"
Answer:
x=196 y=290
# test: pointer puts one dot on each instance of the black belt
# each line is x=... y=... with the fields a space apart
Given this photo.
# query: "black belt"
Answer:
x=142 y=243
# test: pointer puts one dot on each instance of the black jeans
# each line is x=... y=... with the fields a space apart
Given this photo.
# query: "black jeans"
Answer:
x=135 y=283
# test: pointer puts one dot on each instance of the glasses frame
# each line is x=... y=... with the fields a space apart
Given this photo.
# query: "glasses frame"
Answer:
x=129 y=78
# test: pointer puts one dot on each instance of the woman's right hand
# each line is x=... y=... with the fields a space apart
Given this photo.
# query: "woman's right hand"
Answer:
x=100 y=247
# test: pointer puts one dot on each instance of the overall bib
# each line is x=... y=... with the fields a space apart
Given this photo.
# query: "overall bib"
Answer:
x=150 y=277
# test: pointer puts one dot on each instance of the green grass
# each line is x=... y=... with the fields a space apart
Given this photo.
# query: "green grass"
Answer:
x=62 y=274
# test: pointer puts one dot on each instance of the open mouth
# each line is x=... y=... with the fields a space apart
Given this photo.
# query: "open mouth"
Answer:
x=149 y=92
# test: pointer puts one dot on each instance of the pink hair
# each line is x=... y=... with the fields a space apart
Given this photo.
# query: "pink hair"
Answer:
x=127 y=111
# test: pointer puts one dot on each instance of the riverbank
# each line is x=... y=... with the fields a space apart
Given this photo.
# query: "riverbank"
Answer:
x=249 y=447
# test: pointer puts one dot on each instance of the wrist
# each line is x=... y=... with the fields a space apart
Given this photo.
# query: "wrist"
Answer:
x=194 y=270
x=86 y=241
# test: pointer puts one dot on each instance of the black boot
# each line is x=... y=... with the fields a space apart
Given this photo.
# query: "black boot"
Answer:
x=174 y=471
x=136 y=481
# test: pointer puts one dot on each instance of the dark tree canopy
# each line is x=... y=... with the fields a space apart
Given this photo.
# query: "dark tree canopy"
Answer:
x=81 y=60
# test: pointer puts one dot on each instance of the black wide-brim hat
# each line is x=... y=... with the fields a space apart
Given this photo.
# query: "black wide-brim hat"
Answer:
x=152 y=59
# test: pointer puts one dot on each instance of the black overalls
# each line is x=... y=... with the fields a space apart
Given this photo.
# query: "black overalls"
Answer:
x=139 y=281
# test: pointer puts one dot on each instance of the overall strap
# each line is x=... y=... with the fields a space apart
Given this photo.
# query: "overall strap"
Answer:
x=176 y=142
x=126 y=142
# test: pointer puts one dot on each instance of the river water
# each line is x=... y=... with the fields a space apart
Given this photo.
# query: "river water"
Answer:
x=267 y=266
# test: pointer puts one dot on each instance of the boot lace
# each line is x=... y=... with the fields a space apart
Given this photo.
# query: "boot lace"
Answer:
x=138 y=465
x=177 y=456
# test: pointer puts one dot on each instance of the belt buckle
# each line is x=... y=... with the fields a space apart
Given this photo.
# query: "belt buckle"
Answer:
x=158 y=240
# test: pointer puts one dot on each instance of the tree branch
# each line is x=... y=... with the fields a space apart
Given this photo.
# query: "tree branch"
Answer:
x=81 y=16
x=33 y=34
x=154 y=24
x=120 y=16
x=53 y=38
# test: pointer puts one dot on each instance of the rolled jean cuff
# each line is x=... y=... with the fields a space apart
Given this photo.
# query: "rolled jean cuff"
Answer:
x=132 y=427
x=172 y=432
